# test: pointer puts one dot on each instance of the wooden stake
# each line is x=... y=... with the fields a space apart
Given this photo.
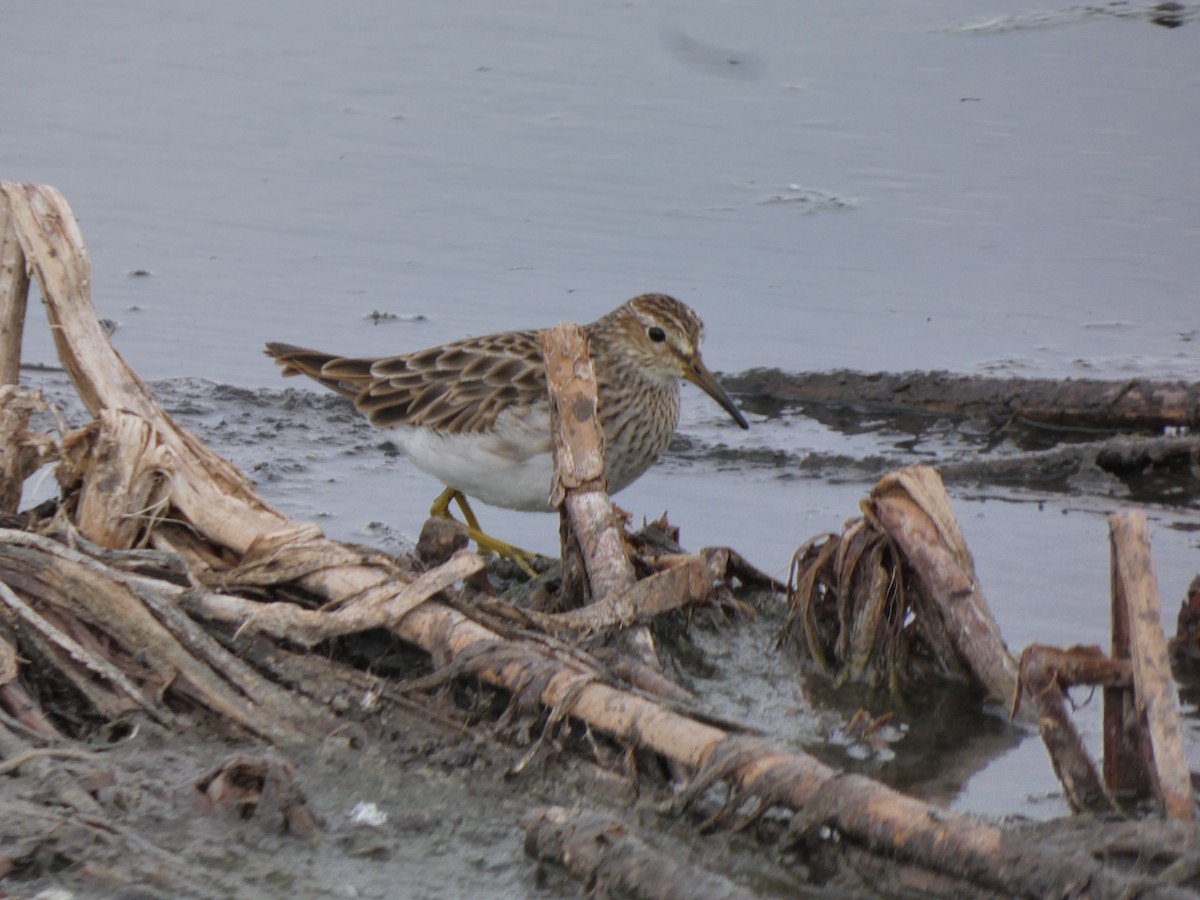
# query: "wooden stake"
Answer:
x=1135 y=601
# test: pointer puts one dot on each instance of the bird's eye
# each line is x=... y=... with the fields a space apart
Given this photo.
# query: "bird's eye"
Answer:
x=657 y=334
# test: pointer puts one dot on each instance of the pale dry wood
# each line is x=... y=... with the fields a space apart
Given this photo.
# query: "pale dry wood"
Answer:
x=14 y=293
x=216 y=500
x=1154 y=687
x=376 y=609
x=165 y=599
x=579 y=488
x=22 y=451
x=128 y=474
x=579 y=460
x=63 y=576
x=862 y=810
x=8 y=661
x=52 y=243
x=92 y=661
x=912 y=506
x=21 y=711
x=687 y=581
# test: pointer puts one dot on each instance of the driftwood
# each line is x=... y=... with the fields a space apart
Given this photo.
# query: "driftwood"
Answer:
x=202 y=514
x=1138 y=637
x=1143 y=739
x=14 y=287
x=1047 y=673
x=589 y=522
x=852 y=595
x=1084 y=403
x=22 y=452
x=579 y=485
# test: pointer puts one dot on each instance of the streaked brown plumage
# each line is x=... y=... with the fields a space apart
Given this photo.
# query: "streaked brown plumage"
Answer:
x=475 y=413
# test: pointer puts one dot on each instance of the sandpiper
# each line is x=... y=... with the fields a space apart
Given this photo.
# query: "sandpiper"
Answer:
x=475 y=413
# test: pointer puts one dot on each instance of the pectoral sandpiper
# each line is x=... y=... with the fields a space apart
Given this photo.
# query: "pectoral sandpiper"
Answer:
x=475 y=413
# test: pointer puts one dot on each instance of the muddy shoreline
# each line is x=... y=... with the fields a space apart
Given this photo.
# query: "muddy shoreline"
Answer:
x=422 y=768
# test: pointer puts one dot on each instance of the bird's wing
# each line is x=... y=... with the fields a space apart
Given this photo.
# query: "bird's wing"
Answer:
x=457 y=388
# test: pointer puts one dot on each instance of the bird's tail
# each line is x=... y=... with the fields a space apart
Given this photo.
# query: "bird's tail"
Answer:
x=346 y=376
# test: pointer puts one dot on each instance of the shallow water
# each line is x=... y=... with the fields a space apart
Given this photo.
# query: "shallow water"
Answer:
x=907 y=186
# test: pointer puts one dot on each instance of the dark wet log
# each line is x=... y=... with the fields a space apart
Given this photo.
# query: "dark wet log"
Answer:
x=1085 y=403
x=611 y=859
x=1157 y=703
x=1185 y=646
x=1123 y=457
x=1046 y=673
x=913 y=508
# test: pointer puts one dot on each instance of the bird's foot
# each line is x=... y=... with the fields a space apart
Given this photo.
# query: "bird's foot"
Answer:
x=484 y=541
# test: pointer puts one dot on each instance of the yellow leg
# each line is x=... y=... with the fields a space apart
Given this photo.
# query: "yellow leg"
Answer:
x=441 y=510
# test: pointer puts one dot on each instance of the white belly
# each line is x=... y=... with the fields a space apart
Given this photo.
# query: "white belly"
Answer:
x=510 y=468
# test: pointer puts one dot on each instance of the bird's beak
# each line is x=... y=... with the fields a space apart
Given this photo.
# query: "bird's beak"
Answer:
x=697 y=373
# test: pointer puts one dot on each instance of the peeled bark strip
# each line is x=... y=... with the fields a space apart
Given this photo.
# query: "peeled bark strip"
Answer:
x=610 y=858
x=894 y=599
x=913 y=508
x=1135 y=586
x=307 y=628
